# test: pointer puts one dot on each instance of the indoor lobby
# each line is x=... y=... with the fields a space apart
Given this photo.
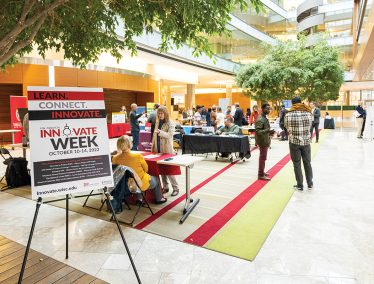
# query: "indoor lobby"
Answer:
x=84 y=210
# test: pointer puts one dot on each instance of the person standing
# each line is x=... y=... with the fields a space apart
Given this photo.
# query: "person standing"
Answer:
x=263 y=139
x=152 y=118
x=238 y=116
x=134 y=126
x=284 y=133
x=248 y=114
x=254 y=115
x=197 y=119
x=208 y=117
x=360 y=120
x=316 y=115
x=123 y=111
x=298 y=122
x=228 y=111
x=213 y=116
x=363 y=123
x=220 y=120
x=162 y=142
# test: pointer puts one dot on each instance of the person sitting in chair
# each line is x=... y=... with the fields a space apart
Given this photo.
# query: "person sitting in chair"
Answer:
x=136 y=161
x=229 y=127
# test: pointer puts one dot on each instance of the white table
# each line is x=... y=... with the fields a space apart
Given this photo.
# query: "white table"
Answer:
x=188 y=162
x=10 y=131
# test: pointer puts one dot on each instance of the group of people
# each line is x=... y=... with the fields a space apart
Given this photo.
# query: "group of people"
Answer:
x=162 y=142
x=299 y=122
x=215 y=117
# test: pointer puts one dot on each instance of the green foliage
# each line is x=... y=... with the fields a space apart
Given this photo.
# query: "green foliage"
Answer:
x=291 y=68
x=84 y=29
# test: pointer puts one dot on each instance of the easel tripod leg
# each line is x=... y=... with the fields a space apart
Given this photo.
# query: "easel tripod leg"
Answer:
x=107 y=195
x=38 y=203
x=67 y=227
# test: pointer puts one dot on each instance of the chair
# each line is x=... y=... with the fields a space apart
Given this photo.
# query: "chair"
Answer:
x=7 y=157
x=120 y=192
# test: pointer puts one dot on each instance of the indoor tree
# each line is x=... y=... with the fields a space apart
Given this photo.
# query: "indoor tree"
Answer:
x=290 y=69
x=84 y=29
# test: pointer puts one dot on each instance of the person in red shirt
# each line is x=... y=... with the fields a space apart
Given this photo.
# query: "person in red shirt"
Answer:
x=255 y=113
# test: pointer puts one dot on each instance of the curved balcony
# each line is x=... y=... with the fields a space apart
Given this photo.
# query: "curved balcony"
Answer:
x=308 y=16
x=311 y=22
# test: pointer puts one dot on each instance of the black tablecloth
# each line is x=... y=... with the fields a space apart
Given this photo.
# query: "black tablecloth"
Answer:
x=201 y=144
x=329 y=123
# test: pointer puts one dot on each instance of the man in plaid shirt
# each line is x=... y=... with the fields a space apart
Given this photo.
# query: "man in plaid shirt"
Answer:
x=298 y=122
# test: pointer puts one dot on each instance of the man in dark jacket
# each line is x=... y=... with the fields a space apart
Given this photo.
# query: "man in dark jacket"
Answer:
x=316 y=115
x=238 y=116
x=152 y=118
x=134 y=125
x=360 y=118
x=263 y=139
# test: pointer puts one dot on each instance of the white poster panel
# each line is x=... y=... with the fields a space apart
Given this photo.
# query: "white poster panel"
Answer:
x=69 y=145
x=223 y=103
x=118 y=117
x=369 y=124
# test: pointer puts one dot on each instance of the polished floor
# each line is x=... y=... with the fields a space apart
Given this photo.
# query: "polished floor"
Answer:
x=323 y=236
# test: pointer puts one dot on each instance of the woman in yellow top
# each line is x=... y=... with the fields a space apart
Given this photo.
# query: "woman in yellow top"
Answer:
x=136 y=162
x=162 y=142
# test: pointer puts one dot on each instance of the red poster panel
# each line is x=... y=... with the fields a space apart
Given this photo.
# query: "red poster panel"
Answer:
x=17 y=102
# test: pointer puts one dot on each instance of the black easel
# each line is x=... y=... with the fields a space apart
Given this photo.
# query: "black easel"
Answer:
x=109 y=204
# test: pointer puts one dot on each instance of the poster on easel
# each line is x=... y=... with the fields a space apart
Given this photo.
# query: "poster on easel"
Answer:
x=69 y=145
x=16 y=103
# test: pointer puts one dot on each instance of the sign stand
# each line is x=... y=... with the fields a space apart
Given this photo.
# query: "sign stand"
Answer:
x=114 y=217
x=69 y=138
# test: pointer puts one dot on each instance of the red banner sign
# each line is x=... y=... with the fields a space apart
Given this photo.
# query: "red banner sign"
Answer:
x=17 y=102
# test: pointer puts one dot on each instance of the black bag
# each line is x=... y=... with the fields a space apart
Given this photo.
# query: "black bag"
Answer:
x=17 y=173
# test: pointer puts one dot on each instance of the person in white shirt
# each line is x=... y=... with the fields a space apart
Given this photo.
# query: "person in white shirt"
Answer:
x=197 y=119
x=220 y=120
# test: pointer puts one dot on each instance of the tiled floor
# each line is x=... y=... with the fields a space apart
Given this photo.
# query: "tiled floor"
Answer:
x=323 y=236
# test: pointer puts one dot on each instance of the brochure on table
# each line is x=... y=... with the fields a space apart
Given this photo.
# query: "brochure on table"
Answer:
x=69 y=145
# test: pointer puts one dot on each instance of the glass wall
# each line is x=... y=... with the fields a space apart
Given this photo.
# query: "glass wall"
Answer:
x=240 y=47
x=269 y=22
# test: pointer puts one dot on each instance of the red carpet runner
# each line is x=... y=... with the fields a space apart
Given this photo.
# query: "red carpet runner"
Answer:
x=206 y=231
x=165 y=209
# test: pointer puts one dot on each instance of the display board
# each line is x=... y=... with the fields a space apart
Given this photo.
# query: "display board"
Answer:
x=223 y=103
x=69 y=145
x=16 y=103
x=150 y=108
x=140 y=109
x=118 y=117
x=369 y=124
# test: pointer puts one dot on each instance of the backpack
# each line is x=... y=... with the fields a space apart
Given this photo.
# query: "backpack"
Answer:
x=17 y=173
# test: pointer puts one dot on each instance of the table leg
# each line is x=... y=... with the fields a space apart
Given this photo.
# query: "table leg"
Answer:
x=190 y=204
x=12 y=140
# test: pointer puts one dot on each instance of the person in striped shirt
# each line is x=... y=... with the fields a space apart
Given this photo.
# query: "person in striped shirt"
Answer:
x=298 y=122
